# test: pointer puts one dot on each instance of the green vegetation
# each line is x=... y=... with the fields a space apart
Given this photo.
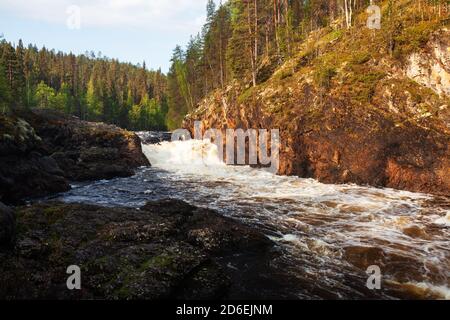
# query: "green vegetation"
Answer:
x=244 y=40
x=247 y=94
x=332 y=36
x=363 y=83
x=94 y=88
x=164 y=260
x=323 y=76
x=249 y=42
x=360 y=57
x=5 y=94
x=413 y=38
x=54 y=214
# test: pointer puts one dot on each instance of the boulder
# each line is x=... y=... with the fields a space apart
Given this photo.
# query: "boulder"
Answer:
x=86 y=150
x=42 y=150
x=26 y=170
x=166 y=249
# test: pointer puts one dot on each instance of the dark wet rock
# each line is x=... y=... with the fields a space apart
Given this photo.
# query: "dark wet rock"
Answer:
x=86 y=150
x=167 y=249
x=42 y=150
x=7 y=226
x=154 y=137
x=25 y=168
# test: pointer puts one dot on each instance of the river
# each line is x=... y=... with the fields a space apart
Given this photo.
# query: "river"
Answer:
x=329 y=234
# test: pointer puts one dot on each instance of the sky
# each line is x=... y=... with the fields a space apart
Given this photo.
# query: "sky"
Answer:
x=129 y=30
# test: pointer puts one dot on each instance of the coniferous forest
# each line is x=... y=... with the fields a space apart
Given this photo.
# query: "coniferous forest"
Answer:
x=247 y=40
x=242 y=40
x=89 y=86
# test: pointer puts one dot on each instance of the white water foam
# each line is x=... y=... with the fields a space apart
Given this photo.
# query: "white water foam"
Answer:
x=184 y=155
x=445 y=221
x=314 y=218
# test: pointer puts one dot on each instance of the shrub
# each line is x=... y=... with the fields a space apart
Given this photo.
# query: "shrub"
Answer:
x=247 y=94
x=323 y=76
x=364 y=83
x=413 y=38
x=360 y=58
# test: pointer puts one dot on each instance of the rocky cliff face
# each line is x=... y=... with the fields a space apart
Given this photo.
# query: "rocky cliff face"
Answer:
x=431 y=66
x=41 y=151
x=351 y=115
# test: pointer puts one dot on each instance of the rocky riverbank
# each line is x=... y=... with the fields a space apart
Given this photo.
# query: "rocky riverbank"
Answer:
x=166 y=249
x=42 y=150
x=349 y=115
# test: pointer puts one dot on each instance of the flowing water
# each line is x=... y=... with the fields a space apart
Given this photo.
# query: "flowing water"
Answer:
x=329 y=234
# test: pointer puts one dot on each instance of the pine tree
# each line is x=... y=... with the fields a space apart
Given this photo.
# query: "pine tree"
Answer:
x=89 y=86
x=94 y=105
x=14 y=75
x=5 y=94
x=21 y=87
x=241 y=50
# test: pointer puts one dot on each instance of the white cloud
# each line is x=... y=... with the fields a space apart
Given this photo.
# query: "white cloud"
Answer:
x=185 y=15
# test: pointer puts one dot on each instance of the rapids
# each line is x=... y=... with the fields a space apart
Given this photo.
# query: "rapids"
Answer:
x=329 y=234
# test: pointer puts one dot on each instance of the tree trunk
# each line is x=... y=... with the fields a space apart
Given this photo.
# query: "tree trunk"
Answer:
x=255 y=3
x=253 y=50
x=276 y=24
x=348 y=8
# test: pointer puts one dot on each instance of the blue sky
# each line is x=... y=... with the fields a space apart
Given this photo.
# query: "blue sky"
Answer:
x=129 y=30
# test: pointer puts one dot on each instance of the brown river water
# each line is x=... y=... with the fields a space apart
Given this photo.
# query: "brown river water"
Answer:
x=329 y=234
